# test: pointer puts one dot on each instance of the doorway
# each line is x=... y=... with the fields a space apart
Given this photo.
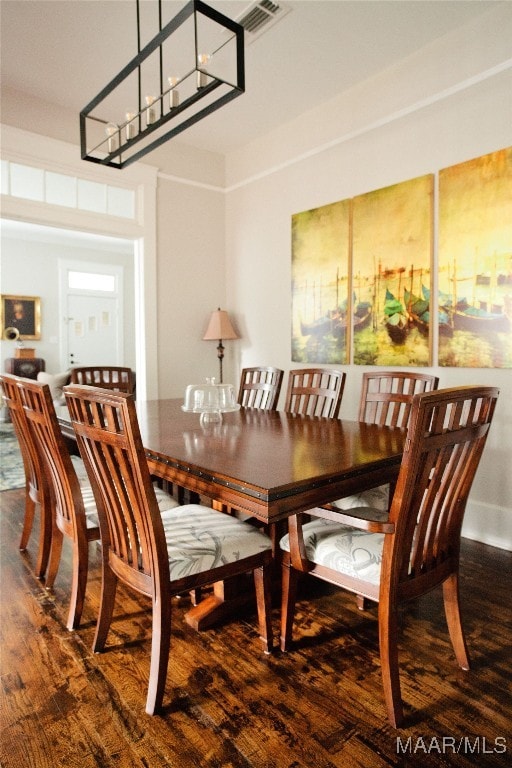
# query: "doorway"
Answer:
x=92 y=326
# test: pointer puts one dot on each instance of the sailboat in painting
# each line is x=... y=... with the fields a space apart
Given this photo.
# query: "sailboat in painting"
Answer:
x=482 y=315
x=395 y=318
x=321 y=326
x=420 y=312
x=327 y=322
x=479 y=320
x=418 y=309
x=334 y=321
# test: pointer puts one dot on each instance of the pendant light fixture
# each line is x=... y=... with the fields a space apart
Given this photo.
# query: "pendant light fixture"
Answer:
x=193 y=66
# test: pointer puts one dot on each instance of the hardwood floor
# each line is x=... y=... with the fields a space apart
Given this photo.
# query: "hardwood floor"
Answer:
x=229 y=706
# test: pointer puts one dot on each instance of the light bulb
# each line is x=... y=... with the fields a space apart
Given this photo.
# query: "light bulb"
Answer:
x=203 y=60
x=150 y=112
x=111 y=131
x=131 y=129
x=174 y=94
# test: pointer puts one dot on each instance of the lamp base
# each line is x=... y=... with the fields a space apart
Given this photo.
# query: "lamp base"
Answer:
x=220 y=355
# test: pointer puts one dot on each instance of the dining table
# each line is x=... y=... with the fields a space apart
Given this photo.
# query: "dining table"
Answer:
x=266 y=464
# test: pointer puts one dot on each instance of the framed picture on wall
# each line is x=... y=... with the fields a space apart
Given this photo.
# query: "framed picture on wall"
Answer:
x=20 y=317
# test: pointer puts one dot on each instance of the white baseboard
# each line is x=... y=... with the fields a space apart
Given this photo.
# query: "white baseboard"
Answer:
x=488 y=524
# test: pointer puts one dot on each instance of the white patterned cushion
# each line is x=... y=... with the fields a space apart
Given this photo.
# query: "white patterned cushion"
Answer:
x=164 y=500
x=343 y=548
x=91 y=513
x=55 y=381
x=377 y=498
x=199 y=539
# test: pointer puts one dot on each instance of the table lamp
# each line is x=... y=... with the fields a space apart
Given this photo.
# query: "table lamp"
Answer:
x=220 y=328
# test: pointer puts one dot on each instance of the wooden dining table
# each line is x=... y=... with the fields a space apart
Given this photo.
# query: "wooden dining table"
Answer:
x=268 y=464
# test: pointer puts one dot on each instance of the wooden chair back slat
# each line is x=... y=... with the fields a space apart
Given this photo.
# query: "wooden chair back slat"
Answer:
x=260 y=387
x=109 y=440
x=11 y=397
x=36 y=486
x=315 y=392
x=117 y=378
x=448 y=433
x=386 y=396
x=42 y=420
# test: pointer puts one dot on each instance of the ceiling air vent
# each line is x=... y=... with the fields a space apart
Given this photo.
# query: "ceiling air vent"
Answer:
x=260 y=16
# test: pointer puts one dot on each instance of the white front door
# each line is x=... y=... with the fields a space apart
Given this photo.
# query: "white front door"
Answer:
x=91 y=301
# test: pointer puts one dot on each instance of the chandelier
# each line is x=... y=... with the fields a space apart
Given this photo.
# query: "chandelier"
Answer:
x=193 y=66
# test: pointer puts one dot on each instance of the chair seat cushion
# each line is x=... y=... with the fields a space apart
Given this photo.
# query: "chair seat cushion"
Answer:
x=164 y=500
x=342 y=548
x=377 y=498
x=199 y=539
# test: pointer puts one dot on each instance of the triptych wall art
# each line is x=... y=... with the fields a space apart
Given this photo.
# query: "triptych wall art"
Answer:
x=475 y=262
x=320 y=284
x=367 y=289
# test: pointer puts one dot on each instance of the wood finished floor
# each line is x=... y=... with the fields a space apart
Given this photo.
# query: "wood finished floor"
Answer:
x=227 y=705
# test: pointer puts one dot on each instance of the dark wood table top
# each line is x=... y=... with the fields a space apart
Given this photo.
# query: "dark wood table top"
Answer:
x=269 y=463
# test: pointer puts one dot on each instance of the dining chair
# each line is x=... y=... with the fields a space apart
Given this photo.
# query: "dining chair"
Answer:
x=159 y=555
x=72 y=499
x=37 y=491
x=113 y=377
x=416 y=549
x=260 y=387
x=315 y=392
x=386 y=399
x=74 y=510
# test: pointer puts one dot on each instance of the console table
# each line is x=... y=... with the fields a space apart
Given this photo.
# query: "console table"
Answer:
x=28 y=367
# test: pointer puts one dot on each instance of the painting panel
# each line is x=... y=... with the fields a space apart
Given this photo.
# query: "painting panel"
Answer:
x=320 y=259
x=475 y=262
x=392 y=273
x=20 y=317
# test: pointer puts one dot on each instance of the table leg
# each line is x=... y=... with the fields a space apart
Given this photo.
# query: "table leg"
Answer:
x=235 y=593
x=226 y=598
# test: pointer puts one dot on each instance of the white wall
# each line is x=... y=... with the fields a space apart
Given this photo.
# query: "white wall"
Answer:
x=191 y=282
x=413 y=120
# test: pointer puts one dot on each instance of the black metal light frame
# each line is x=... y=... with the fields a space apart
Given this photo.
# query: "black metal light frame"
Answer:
x=125 y=151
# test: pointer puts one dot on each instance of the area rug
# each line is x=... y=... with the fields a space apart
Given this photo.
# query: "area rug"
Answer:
x=12 y=473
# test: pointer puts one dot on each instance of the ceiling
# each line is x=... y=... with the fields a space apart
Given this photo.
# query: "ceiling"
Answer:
x=66 y=51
